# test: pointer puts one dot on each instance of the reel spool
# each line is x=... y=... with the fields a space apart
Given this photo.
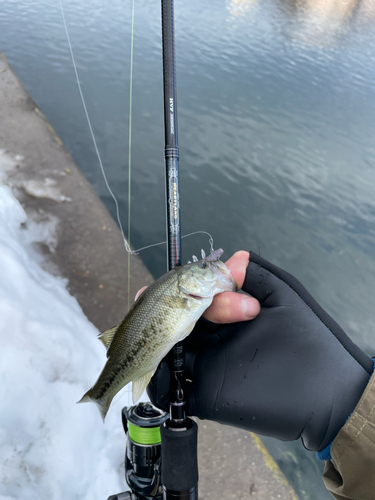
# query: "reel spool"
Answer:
x=142 y=456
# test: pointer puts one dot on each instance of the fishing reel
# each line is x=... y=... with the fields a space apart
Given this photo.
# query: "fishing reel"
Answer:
x=142 y=455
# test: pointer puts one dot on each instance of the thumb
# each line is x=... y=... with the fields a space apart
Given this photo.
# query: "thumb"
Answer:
x=231 y=307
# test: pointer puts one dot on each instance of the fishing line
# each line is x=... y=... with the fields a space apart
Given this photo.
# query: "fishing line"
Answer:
x=210 y=239
x=126 y=241
x=130 y=143
x=127 y=247
x=126 y=244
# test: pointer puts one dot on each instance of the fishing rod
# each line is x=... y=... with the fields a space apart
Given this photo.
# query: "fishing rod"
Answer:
x=171 y=157
x=161 y=453
x=179 y=471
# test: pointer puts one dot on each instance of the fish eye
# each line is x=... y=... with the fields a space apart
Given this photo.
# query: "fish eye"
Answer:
x=204 y=265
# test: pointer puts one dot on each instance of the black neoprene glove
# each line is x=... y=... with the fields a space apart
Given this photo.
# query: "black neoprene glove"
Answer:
x=291 y=372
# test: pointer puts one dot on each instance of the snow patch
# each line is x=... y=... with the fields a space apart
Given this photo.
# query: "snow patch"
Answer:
x=40 y=228
x=50 y=447
x=45 y=188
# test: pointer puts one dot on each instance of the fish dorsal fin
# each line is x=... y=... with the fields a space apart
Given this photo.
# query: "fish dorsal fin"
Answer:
x=107 y=336
x=140 y=385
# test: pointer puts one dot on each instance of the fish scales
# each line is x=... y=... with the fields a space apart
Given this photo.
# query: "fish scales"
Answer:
x=164 y=314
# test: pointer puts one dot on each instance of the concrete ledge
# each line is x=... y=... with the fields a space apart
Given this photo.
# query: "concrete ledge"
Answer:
x=88 y=250
x=235 y=465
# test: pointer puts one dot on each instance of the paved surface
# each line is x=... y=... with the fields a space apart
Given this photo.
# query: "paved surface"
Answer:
x=87 y=249
x=234 y=464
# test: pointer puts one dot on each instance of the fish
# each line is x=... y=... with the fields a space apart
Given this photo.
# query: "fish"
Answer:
x=164 y=314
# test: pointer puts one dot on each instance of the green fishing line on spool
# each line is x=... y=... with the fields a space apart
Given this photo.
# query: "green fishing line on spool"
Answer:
x=144 y=435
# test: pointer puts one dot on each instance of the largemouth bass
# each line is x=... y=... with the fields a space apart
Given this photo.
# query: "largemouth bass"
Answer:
x=163 y=314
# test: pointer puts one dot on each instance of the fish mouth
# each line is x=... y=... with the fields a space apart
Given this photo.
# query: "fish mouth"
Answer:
x=195 y=297
x=197 y=294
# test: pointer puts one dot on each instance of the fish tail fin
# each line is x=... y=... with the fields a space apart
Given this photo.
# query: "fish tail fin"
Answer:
x=103 y=404
x=86 y=398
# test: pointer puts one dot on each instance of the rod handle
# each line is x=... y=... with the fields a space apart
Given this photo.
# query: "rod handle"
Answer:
x=179 y=477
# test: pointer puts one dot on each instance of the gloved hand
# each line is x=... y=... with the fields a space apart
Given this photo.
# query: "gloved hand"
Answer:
x=291 y=372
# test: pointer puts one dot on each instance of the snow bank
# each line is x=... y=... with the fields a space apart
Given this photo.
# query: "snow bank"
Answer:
x=50 y=447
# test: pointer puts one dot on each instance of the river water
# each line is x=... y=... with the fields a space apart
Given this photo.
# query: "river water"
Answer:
x=276 y=110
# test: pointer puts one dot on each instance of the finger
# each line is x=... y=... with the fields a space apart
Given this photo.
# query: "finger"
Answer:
x=237 y=265
x=230 y=307
x=139 y=292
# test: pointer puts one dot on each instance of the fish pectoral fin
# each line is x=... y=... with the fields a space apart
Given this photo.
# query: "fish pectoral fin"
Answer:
x=107 y=336
x=140 y=385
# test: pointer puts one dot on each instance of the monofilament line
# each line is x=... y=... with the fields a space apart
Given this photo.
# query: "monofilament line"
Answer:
x=126 y=241
x=210 y=239
x=127 y=246
x=130 y=144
